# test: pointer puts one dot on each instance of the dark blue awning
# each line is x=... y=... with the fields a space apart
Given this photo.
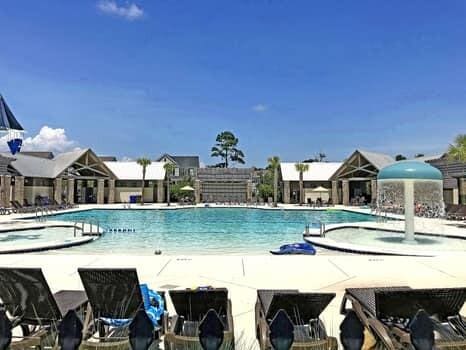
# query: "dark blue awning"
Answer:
x=7 y=119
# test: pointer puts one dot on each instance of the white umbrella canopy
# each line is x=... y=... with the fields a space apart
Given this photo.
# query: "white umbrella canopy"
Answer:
x=187 y=188
x=320 y=189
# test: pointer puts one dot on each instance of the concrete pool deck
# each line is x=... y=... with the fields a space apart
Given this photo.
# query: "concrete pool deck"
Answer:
x=243 y=275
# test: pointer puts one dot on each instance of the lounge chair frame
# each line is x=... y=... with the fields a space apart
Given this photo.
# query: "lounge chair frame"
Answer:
x=33 y=307
x=192 y=305
x=269 y=302
x=373 y=304
x=106 y=287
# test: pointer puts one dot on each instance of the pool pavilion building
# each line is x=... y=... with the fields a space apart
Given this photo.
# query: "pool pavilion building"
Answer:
x=75 y=177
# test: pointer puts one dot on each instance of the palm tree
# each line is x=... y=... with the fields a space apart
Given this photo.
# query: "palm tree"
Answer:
x=301 y=168
x=169 y=169
x=457 y=151
x=225 y=148
x=274 y=164
x=144 y=162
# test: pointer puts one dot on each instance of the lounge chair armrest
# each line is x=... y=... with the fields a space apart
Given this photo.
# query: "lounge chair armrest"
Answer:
x=174 y=324
x=230 y=317
x=381 y=332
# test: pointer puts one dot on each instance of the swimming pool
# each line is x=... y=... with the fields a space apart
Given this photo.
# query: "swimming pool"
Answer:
x=202 y=230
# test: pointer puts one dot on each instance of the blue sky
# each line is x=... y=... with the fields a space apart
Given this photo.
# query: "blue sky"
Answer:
x=290 y=78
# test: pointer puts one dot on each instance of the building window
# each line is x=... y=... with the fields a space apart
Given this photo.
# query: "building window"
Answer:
x=191 y=172
x=176 y=172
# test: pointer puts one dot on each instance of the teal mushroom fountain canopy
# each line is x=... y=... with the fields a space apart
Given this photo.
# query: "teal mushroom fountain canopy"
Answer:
x=410 y=188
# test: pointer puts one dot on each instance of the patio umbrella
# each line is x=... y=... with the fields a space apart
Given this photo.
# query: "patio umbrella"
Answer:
x=320 y=190
x=187 y=188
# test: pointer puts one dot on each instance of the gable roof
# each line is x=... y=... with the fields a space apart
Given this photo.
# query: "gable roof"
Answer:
x=318 y=171
x=187 y=161
x=379 y=160
x=133 y=171
x=182 y=161
x=33 y=166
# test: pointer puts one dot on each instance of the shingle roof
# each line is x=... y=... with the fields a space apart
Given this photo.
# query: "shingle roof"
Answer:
x=33 y=166
x=133 y=171
x=318 y=171
x=183 y=161
x=379 y=160
x=40 y=154
x=187 y=161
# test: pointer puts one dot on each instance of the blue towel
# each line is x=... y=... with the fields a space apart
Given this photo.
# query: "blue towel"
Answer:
x=153 y=304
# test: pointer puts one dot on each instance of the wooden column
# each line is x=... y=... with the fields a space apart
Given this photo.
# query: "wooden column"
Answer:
x=57 y=189
x=160 y=192
x=286 y=192
x=249 y=191
x=197 y=191
x=100 y=191
x=70 y=194
x=111 y=191
x=345 y=190
x=5 y=189
x=335 y=199
x=374 y=190
x=19 y=189
x=462 y=190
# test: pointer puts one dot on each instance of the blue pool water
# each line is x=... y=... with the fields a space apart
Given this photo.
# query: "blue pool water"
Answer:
x=203 y=230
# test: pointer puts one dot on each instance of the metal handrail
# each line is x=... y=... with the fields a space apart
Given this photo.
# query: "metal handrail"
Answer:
x=93 y=224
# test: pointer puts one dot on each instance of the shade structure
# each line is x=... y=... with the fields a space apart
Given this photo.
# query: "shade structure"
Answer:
x=320 y=189
x=187 y=188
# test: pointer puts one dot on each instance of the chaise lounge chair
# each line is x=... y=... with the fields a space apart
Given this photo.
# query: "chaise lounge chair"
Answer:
x=197 y=311
x=388 y=314
x=115 y=297
x=302 y=309
x=31 y=306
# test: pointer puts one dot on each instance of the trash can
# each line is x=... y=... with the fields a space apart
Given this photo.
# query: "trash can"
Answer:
x=133 y=199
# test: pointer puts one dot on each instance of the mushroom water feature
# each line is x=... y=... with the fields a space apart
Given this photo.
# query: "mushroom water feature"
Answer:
x=410 y=187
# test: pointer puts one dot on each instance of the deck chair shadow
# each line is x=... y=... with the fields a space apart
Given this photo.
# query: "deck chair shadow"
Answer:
x=195 y=324
x=114 y=298
x=303 y=309
x=31 y=306
x=397 y=316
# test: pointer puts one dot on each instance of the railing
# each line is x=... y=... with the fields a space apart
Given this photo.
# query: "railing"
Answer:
x=42 y=214
x=322 y=229
x=94 y=227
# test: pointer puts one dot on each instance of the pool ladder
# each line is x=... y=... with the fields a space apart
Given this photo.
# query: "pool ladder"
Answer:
x=94 y=228
x=42 y=214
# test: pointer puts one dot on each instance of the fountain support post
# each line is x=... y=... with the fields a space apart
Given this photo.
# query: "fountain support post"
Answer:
x=409 y=211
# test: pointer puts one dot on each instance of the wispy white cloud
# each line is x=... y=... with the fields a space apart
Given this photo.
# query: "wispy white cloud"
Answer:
x=260 y=108
x=48 y=139
x=128 y=11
